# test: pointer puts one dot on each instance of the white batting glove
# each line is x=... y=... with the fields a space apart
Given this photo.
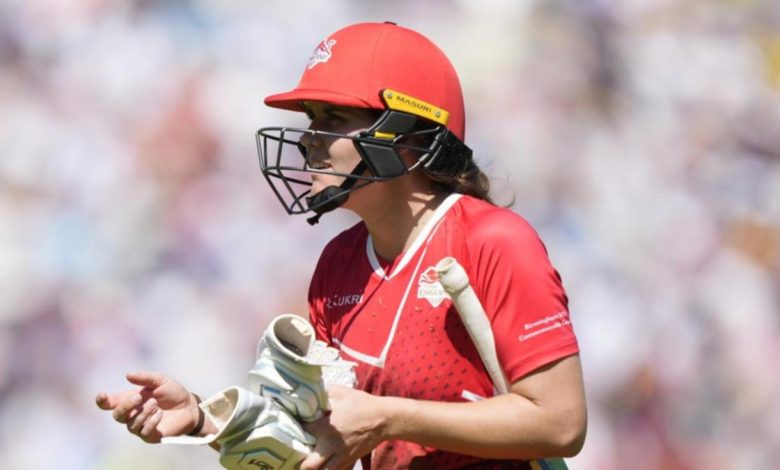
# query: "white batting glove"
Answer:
x=292 y=367
x=252 y=431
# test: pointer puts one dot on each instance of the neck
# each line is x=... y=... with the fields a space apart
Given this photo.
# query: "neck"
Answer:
x=394 y=223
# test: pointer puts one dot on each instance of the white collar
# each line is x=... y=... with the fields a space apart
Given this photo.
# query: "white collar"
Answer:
x=421 y=238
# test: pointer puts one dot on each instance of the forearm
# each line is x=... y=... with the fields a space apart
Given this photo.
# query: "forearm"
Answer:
x=506 y=426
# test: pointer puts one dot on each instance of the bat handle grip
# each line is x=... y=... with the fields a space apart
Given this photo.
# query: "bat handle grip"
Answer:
x=452 y=274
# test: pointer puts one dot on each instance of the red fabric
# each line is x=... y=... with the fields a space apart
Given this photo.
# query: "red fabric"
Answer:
x=410 y=342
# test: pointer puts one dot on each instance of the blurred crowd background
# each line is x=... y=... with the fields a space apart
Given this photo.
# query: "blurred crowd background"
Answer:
x=640 y=137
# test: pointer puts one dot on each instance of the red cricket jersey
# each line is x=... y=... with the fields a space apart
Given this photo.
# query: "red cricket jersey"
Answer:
x=407 y=337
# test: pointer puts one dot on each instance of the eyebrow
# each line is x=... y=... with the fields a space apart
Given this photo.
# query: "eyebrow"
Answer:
x=325 y=106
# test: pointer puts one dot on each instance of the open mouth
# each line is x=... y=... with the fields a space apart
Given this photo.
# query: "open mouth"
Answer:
x=318 y=165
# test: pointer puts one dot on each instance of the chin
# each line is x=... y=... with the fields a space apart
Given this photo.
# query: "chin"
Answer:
x=319 y=184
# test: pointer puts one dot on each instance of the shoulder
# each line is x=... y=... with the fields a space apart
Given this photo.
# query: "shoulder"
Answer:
x=346 y=242
x=486 y=224
x=342 y=250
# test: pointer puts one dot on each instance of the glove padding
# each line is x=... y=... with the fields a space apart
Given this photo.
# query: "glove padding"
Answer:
x=253 y=432
x=293 y=368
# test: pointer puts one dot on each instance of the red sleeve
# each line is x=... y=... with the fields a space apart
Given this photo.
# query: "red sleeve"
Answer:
x=521 y=292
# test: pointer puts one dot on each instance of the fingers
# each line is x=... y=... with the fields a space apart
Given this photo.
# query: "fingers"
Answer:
x=109 y=401
x=149 y=431
x=329 y=453
x=146 y=379
x=138 y=409
x=144 y=421
x=137 y=420
x=317 y=461
x=105 y=401
x=125 y=405
x=314 y=461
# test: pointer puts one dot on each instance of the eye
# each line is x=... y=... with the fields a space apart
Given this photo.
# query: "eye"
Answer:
x=329 y=120
x=334 y=116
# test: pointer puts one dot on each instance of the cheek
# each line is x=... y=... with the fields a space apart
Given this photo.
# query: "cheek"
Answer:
x=343 y=155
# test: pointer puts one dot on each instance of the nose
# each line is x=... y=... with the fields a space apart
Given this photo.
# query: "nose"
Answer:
x=308 y=143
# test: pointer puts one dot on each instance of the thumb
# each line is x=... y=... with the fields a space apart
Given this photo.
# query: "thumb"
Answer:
x=150 y=380
x=106 y=401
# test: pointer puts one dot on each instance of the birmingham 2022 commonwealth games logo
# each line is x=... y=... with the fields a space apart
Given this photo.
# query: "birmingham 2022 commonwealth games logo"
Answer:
x=322 y=53
x=429 y=288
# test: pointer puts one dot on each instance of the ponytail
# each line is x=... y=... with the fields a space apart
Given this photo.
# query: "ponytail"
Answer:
x=472 y=181
x=453 y=169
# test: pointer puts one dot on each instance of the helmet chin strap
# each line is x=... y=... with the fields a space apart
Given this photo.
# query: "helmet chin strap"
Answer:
x=331 y=197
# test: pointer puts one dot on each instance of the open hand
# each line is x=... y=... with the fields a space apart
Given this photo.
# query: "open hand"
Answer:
x=161 y=407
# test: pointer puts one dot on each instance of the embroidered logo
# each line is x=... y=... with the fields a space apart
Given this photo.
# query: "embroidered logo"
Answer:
x=322 y=53
x=430 y=289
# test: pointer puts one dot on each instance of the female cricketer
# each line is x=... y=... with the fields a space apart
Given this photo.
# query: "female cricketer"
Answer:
x=387 y=142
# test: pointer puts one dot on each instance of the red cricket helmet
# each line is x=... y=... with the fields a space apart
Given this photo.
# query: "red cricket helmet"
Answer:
x=379 y=66
x=352 y=67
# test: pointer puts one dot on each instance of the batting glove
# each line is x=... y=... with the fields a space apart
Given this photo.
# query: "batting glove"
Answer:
x=293 y=368
x=253 y=432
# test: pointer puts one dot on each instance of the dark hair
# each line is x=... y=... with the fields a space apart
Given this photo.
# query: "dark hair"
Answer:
x=454 y=169
x=471 y=181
